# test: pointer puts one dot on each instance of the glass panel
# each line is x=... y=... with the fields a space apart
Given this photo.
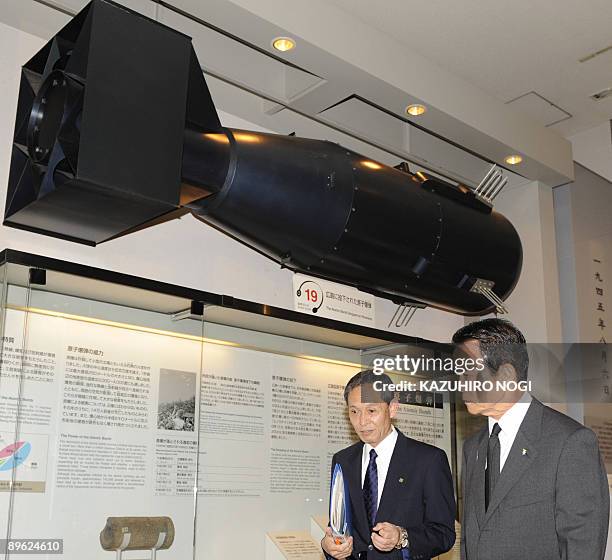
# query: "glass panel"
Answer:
x=17 y=462
x=272 y=416
x=102 y=387
x=7 y=428
x=108 y=408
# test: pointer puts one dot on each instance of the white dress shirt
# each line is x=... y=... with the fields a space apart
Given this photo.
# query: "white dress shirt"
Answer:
x=384 y=451
x=510 y=423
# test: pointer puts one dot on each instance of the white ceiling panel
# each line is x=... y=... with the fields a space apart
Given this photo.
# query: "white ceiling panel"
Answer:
x=509 y=49
x=539 y=109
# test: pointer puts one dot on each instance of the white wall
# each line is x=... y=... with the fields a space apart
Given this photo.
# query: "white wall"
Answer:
x=592 y=148
x=584 y=222
x=534 y=304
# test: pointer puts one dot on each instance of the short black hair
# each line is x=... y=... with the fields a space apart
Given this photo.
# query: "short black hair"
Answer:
x=368 y=377
x=500 y=343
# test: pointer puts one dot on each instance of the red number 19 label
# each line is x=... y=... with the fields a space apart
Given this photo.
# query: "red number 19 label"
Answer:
x=311 y=295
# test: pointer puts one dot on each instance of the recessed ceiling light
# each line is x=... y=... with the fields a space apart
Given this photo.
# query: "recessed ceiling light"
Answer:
x=416 y=109
x=283 y=44
x=514 y=159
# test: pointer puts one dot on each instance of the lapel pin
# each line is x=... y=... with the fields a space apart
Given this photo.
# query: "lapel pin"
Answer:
x=401 y=480
x=524 y=451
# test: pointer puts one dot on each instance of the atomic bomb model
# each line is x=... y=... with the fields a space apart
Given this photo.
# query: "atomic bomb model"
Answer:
x=116 y=130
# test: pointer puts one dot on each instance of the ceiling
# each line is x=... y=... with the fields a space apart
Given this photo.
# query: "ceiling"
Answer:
x=510 y=49
x=357 y=67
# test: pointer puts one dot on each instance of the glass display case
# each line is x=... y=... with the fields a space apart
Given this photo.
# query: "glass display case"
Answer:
x=143 y=419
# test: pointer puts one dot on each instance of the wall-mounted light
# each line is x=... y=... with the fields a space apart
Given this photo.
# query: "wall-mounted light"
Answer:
x=514 y=159
x=283 y=44
x=415 y=109
x=371 y=164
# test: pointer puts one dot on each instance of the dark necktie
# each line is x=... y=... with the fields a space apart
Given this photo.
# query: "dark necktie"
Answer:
x=492 y=472
x=370 y=490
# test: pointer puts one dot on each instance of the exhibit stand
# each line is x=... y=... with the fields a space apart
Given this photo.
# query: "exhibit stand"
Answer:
x=140 y=419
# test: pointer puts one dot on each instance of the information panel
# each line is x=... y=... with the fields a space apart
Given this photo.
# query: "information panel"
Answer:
x=121 y=422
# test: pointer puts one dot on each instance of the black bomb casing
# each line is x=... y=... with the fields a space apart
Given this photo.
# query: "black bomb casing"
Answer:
x=116 y=130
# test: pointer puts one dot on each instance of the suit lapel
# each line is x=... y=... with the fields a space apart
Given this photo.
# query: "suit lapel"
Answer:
x=353 y=472
x=400 y=467
x=477 y=477
x=521 y=456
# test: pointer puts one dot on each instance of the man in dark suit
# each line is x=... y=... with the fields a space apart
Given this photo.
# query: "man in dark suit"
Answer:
x=534 y=484
x=401 y=490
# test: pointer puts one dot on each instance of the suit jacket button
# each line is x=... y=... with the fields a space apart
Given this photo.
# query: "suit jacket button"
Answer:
x=370 y=547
